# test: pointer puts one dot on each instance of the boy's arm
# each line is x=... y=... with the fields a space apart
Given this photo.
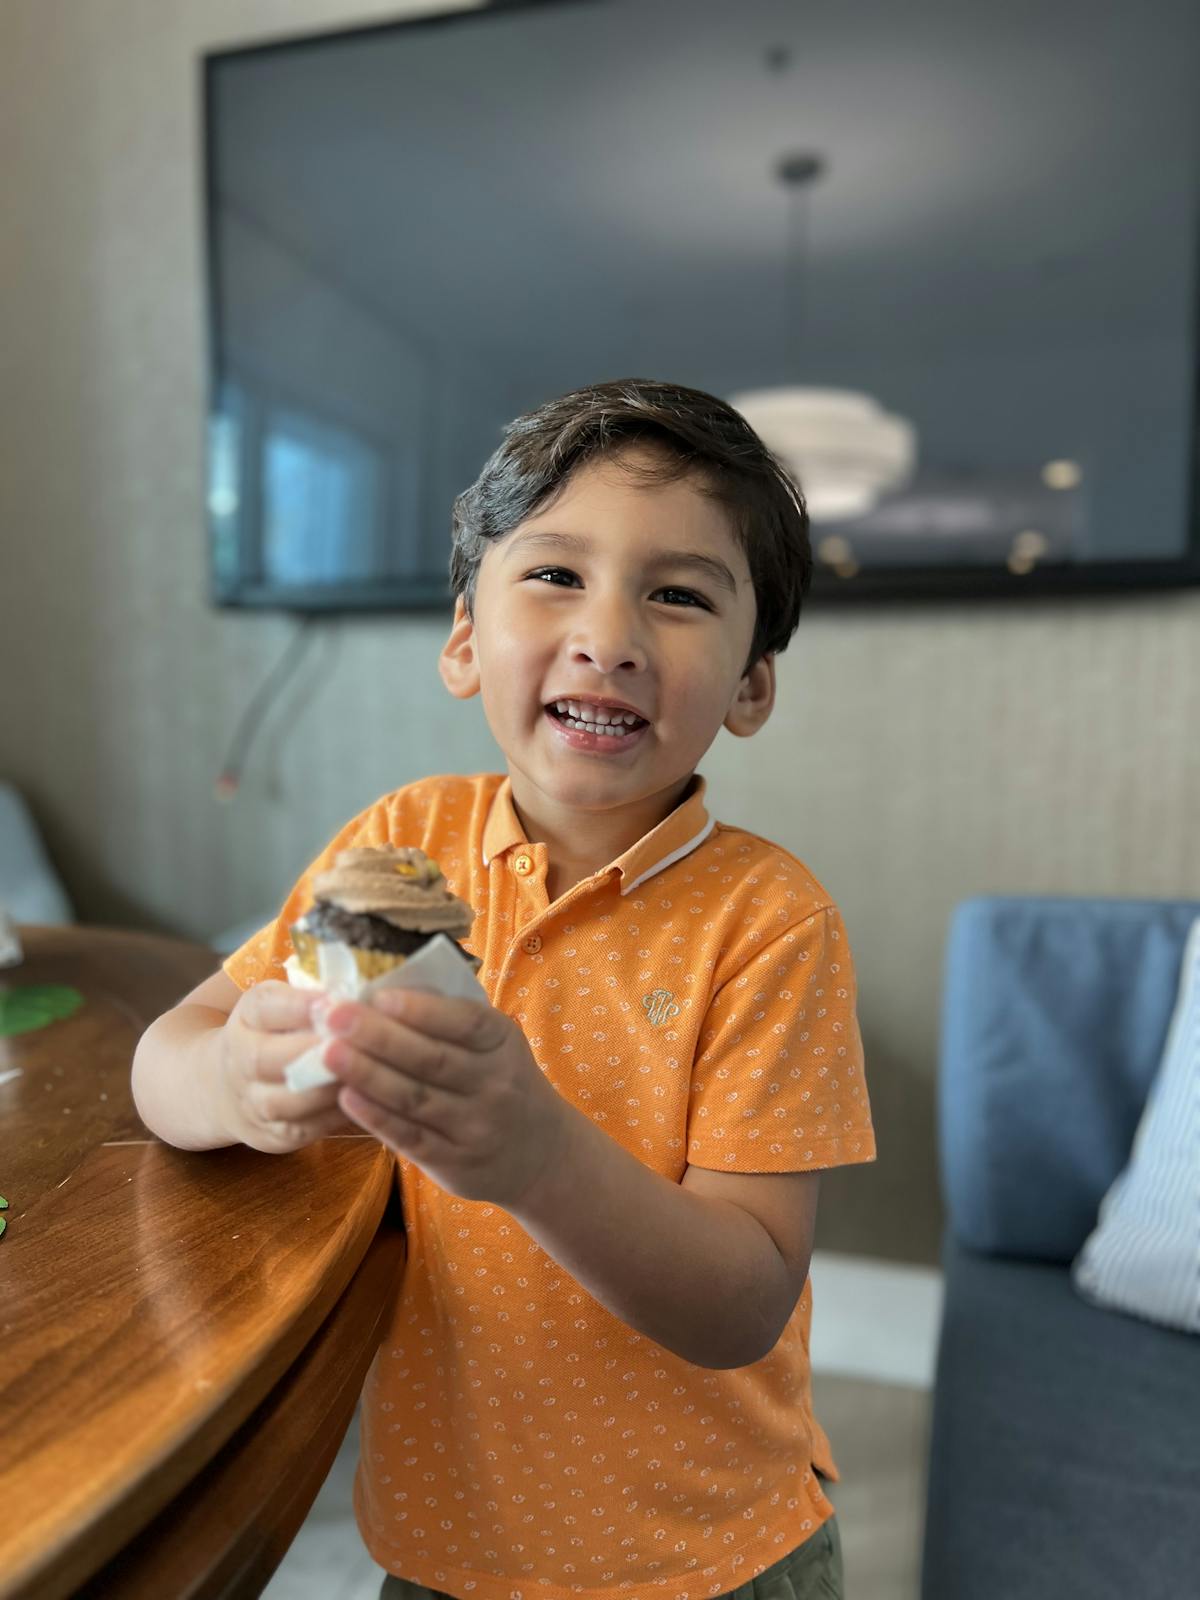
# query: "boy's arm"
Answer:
x=710 y=1268
x=178 y=1083
x=209 y=1072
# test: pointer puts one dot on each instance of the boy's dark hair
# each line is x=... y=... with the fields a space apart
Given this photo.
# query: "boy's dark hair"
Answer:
x=696 y=433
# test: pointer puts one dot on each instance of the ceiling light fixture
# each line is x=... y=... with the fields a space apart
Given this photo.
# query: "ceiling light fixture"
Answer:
x=842 y=447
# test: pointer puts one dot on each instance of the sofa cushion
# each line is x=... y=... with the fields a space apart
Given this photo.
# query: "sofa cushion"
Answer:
x=1065 y=1457
x=1144 y=1254
x=1053 y=1023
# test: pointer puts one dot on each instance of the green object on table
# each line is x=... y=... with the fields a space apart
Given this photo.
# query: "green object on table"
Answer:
x=3 y=1225
x=3 y=1203
x=36 y=1005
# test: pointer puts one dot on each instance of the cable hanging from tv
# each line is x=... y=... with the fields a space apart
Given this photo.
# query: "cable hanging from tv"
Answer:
x=230 y=776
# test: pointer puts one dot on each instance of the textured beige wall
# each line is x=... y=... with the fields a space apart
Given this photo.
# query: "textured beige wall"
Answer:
x=918 y=754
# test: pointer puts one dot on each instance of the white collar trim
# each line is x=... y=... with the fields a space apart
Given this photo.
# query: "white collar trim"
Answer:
x=675 y=855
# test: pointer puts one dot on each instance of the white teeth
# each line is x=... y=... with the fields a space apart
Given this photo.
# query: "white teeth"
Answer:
x=592 y=719
x=613 y=730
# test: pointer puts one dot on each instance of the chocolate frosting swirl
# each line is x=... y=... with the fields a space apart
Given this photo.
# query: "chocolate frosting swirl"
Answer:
x=400 y=885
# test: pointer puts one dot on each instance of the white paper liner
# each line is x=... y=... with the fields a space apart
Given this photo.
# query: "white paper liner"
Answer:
x=437 y=966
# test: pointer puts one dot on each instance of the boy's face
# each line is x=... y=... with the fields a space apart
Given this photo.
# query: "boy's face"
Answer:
x=623 y=606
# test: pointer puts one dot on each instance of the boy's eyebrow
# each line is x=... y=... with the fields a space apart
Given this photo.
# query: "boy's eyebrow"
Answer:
x=710 y=567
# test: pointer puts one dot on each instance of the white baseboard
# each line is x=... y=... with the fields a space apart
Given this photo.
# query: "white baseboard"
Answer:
x=875 y=1319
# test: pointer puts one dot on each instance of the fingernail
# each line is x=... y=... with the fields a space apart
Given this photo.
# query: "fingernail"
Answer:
x=336 y=1021
x=319 y=1010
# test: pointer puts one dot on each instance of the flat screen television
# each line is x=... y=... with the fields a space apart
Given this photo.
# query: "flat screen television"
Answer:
x=417 y=231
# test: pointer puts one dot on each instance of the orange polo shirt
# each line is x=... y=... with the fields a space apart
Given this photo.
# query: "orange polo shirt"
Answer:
x=696 y=999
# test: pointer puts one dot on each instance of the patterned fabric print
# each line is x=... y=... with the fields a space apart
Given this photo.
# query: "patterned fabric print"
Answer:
x=696 y=999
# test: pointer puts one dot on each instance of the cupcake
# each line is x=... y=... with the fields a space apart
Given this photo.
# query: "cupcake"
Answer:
x=383 y=905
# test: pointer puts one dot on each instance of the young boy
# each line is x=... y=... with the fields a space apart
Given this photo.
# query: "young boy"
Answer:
x=596 y=1382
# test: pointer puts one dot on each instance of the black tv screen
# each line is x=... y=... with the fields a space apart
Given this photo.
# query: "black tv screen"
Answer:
x=419 y=230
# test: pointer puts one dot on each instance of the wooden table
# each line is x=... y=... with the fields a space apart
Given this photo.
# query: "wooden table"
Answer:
x=183 y=1335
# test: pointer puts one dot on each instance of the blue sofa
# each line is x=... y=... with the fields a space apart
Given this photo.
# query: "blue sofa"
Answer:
x=1065 y=1443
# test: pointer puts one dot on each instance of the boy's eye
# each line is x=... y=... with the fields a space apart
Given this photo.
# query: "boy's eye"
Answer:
x=555 y=575
x=564 y=578
x=686 y=597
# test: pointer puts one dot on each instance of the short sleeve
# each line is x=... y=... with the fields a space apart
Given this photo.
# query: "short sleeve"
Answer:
x=263 y=955
x=778 y=1085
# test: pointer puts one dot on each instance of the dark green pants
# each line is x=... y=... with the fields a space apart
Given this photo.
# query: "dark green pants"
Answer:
x=813 y=1571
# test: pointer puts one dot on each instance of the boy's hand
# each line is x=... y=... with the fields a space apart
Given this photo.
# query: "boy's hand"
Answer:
x=452 y=1085
x=268 y=1028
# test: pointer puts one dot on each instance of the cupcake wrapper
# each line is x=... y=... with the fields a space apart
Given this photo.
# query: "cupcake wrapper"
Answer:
x=437 y=966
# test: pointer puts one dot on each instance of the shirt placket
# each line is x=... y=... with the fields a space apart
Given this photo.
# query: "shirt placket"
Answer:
x=519 y=886
x=532 y=913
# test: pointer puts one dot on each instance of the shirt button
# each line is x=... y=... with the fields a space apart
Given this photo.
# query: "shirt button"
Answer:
x=523 y=865
x=533 y=944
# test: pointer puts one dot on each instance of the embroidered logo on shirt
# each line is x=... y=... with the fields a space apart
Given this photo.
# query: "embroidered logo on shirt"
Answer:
x=660 y=1006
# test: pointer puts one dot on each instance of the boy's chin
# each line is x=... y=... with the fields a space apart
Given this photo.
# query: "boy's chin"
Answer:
x=600 y=790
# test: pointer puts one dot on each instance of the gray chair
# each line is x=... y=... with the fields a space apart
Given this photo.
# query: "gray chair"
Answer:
x=30 y=889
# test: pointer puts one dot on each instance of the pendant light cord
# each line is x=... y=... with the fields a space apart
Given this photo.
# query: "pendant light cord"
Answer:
x=796 y=172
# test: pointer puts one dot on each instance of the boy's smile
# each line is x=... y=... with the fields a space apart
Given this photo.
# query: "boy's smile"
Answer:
x=609 y=639
x=589 y=723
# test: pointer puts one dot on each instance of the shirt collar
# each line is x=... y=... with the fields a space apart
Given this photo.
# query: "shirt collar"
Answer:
x=503 y=827
x=676 y=836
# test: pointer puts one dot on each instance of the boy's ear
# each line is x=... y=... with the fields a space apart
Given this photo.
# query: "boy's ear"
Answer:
x=755 y=697
x=459 y=661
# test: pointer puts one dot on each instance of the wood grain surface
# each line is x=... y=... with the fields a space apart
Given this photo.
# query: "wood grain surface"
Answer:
x=150 y=1298
x=223 y=1537
x=73 y=1094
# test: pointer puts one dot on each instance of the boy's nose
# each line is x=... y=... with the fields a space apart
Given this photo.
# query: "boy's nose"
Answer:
x=608 y=637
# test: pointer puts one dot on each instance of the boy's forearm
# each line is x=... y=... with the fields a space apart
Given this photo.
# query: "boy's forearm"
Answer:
x=699 y=1276
x=176 y=1079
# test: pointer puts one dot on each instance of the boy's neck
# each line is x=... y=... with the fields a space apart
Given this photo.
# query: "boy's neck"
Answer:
x=579 y=843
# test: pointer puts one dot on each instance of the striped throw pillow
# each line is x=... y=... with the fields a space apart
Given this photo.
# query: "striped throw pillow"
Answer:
x=1143 y=1256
